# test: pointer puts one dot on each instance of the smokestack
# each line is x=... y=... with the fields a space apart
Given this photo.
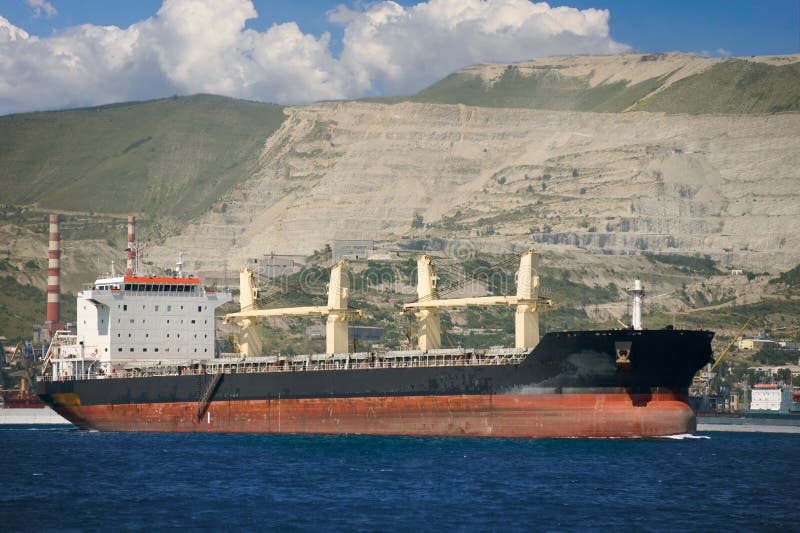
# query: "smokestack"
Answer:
x=131 y=249
x=54 y=276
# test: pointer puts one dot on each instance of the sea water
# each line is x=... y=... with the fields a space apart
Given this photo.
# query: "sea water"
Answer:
x=65 y=479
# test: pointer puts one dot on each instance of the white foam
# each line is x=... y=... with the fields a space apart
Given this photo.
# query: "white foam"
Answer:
x=685 y=436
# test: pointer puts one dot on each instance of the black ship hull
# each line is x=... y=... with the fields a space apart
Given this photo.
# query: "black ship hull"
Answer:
x=573 y=384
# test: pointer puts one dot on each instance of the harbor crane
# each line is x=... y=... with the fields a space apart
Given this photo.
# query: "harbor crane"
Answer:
x=337 y=311
x=527 y=301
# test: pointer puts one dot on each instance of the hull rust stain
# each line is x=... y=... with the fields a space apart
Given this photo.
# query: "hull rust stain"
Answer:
x=542 y=415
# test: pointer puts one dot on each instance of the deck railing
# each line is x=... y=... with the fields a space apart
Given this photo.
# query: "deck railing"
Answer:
x=307 y=363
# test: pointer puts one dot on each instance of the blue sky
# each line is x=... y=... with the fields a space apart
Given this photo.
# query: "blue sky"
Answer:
x=58 y=54
x=752 y=27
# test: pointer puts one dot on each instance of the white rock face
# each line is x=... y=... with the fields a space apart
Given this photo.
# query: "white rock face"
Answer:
x=727 y=186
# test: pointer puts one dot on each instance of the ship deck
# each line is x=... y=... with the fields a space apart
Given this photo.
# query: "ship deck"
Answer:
x=235 y=364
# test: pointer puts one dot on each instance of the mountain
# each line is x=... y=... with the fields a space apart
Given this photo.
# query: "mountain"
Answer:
x=669 y=83
x=689 y=156
x=168 y=159
x=501 y=178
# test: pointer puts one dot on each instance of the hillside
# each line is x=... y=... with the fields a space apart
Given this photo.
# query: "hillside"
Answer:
x=712 y=176
x=169 y=159
x=670 y=83
x=500 y=179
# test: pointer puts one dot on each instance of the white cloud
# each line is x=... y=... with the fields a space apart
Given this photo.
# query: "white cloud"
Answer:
x=193 y=46
x=9 y=32
x=42 y=6
x=405 y=49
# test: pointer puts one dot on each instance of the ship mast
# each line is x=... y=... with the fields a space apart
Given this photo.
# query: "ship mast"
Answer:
x=636 y=306
x=338 y=312
x=179 y=265
x=130 y=267
x=527 y=301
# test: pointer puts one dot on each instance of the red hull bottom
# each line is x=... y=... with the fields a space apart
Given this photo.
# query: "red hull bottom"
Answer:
x=545 y=415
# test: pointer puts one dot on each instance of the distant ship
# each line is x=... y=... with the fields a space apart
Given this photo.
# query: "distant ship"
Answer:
x=143 y=359
x=23 y=408
x=772 y=399
x=773 y=408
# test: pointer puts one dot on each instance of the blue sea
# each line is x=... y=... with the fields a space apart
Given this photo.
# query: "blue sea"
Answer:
x=65 y=479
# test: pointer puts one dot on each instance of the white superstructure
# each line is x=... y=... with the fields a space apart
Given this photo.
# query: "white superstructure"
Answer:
x=135 y=318
x=770 y=397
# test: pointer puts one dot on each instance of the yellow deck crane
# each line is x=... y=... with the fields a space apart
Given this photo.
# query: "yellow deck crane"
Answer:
x=527 y=301
x=27 y=373
x=337 y=311
x=725 y=351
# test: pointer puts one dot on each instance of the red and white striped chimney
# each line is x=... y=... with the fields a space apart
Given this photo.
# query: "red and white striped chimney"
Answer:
x=131 y=249
x=54 y=276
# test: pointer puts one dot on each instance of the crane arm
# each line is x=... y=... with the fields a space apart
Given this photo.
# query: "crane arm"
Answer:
x=479 y=301
x=462 y=302
x=287 y=311
x=725 y=352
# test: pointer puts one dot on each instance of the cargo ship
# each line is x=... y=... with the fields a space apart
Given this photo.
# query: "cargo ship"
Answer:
x=24 y=408
x=774 y=408
x=143 y=359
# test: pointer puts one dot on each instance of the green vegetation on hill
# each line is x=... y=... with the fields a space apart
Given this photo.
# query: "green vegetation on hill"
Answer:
x=790 y=277
x=170 y=158
x=23 y=306
x=704 y=266
x=733 y=86
x=547 y=89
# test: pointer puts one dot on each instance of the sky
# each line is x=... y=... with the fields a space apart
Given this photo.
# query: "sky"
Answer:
x=57 y=54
